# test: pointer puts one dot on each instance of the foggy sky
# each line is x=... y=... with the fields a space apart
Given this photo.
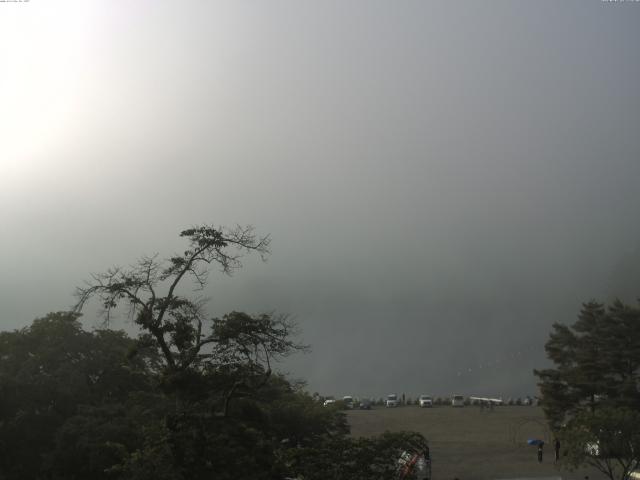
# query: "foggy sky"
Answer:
x=442 y=180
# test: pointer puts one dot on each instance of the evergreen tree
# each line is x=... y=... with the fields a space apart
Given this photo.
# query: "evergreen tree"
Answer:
x=591 y=397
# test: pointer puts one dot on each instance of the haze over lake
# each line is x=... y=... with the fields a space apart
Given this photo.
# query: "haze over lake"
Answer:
x=441 y=180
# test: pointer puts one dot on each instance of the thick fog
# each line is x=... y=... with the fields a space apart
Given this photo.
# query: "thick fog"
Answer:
x=441 y=181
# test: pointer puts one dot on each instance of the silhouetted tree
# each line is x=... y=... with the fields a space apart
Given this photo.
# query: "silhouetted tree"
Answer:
x=150 y=290
x=48 y=372
x=592 y=394
x=220 y=411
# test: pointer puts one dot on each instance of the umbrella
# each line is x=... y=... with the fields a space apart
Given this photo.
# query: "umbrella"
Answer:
x=535 y=441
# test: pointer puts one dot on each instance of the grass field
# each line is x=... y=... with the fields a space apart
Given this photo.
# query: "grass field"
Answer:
x=469 y=443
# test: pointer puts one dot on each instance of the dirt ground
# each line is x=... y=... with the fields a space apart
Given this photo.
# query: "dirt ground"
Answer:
x=473 y=444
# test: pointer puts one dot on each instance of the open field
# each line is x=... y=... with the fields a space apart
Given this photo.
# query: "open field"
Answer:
x=469 y=443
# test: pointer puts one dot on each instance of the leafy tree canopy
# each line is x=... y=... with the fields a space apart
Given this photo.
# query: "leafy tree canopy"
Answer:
x=50 y=369
x=591 y=396
x=190 y=397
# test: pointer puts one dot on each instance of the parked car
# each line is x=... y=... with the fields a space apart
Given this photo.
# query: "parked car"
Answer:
x=365 y=404
x=329 y=401
x=392 y=400
x=348 y=401
x=425 y=401
x=457 y=401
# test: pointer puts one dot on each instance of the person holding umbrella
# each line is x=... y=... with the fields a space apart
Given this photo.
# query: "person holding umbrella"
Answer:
x=540 y=444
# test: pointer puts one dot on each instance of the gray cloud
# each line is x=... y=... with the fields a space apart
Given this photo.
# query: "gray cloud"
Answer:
x=441 y=181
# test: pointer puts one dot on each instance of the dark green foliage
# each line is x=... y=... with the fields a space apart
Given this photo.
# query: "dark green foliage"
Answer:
x=97 y=410
x=607 y=439
x=597 y=362
x=594 y=387
x=91 y=442
x=50 y=369
x=190 y=398
x=341 y=458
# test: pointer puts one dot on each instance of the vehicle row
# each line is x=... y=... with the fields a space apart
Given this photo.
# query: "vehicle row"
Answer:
x=349 y=402
x=393 y=400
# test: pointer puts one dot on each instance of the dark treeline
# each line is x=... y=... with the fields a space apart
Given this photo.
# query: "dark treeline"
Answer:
x=190 y=397
x=76 y=405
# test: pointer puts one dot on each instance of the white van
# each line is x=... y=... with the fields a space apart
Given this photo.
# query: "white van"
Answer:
x=457 y=401
x=392 y=400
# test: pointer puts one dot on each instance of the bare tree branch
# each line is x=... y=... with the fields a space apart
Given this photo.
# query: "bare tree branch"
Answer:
x=175 y=322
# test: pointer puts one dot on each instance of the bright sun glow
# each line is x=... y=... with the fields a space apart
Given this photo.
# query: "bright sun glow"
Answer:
x=40 y=85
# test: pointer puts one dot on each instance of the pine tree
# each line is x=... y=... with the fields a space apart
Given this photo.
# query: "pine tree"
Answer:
x=595 y=381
